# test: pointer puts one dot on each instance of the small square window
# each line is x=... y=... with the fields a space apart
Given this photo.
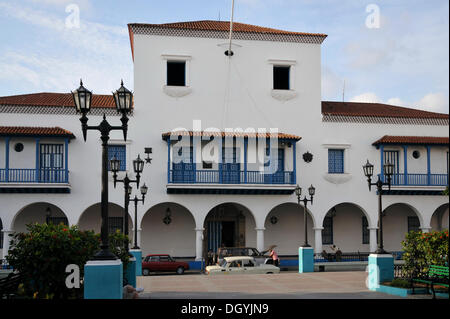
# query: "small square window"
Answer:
x=176 y=73
x=335 y=161
x=119 y=152
x=281 y=77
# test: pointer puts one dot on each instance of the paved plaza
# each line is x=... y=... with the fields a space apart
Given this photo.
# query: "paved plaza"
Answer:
x=286 y=285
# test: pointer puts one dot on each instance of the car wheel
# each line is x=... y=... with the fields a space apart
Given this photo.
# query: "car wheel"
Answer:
x=269 y=273
x=180 y=270
x=145 y=272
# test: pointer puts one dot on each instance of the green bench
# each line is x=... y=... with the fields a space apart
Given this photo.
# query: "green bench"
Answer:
x=437 y=275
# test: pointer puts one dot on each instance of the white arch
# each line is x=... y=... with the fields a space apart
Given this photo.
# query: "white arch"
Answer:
x=13 y=221
x=301 y=209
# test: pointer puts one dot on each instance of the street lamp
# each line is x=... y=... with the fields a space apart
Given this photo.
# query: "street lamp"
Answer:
x=298 y=192
x=144 y=190
x=138 y=167
x=388 y=170
x=123 y=98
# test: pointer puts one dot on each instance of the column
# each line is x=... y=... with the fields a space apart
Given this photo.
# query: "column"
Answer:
x=405 y=163
x=245 y=158
x=36 y=178
x=373 y=238
x=260 y=239
x=199 y=244
x=168 y=160
x=294 y=162
x=382 y=162
x=318 y=240
x=194 y=157
x=7 y=159
x=66 y=160
x=425 y=229
x=428 y=166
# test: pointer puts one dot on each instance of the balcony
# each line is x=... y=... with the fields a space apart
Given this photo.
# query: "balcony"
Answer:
x=236 y=168
x=44 y=153
x=31 y=175
x=418 y=179
x=226 y=177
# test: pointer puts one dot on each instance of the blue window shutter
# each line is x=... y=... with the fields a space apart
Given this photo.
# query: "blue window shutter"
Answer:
x=119 y=151
x=335 y=161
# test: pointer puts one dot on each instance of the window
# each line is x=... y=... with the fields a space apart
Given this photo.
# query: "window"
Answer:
x=365 y=231
x=249 y=263
x=153 y=259
x=413 y=223
x=51 y=156
x=1 y=235
x=164 y=259
x=281 y=77
x=119 y=151
x=327 y=231
x=176 y=73
x=114 y=224
x=335 y=161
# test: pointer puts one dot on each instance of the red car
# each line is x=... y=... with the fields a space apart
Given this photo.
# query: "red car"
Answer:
x=162 y=262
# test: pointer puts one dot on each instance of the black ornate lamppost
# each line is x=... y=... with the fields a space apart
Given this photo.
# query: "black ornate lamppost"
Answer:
x=388 y=170
x=144 y=190
x=123 y=99
x=138 y=167
x=298 y=192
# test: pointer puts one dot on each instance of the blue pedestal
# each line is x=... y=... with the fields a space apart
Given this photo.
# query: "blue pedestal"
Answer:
x=103 y=279
x=305 y=259
x=137 y=253
x=380 y=269
x=130 y=272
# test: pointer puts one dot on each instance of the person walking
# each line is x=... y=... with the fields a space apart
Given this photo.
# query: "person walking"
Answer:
x=273 y=254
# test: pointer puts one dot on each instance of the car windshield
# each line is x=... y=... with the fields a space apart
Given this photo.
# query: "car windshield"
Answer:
x=223 y=263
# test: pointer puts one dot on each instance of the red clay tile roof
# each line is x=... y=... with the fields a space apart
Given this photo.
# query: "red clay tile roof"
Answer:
x=166 y=135
x=55 y=99
x=376 y=110
x=422 y=140
x=35 y=131
x=213 y=25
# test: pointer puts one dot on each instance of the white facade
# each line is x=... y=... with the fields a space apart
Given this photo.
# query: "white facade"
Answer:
x=236 y=92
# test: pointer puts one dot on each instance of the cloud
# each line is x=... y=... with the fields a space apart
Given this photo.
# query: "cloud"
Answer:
x=67 y=54
x=369 y=97
x=432 y=102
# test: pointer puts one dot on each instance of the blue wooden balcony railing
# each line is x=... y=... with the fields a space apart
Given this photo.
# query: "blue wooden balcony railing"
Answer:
x=229 y=177
x=418 y=179
x=31 y=175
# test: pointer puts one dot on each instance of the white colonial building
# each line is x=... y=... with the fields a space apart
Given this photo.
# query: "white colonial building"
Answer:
x=220 y=179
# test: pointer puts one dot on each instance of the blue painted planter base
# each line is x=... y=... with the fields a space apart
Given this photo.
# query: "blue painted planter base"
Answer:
x=103 y=279
x=305 y=259
x=137 y=253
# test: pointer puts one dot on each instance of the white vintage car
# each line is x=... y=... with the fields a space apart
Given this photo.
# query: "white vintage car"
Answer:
x=241 y=265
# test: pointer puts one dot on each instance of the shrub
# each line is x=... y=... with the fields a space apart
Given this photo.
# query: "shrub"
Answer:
x=424 y=249
x=43 y=253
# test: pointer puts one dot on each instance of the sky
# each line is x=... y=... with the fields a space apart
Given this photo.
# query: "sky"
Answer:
x=385 y=51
